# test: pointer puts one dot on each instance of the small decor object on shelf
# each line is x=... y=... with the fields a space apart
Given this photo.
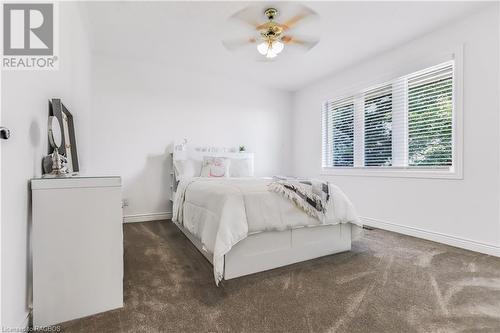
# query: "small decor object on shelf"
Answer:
x=242 y=149
x=47 y=164
x=55 y=140
x=181 y=146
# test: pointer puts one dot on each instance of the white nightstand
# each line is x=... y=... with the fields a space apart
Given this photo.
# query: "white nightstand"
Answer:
x=77 y=244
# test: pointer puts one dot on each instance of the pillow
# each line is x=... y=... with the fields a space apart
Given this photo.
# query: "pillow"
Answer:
x=187 y=168
x=241 y=167
x=215 y=167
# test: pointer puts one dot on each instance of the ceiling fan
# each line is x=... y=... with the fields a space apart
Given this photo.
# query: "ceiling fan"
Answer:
x=273 y=36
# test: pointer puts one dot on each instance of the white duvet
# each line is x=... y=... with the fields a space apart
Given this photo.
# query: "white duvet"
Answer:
x=222 y=212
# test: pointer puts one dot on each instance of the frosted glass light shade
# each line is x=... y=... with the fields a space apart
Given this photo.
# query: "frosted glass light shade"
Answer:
x=270 y=52
x=263 y=48
x=277 y=47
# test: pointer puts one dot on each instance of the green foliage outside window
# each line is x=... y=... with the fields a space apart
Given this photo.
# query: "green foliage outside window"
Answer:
x=378 y=131
x=343 y=136
x=430 y=124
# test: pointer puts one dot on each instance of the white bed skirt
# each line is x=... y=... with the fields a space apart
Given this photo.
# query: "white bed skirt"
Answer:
x=272 y=249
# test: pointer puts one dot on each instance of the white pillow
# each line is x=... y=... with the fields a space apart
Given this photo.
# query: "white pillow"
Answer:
x=215 y=167
x=241 y=167
x=187 y=168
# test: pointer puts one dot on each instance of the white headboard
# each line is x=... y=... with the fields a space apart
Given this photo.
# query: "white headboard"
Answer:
x=184 y=151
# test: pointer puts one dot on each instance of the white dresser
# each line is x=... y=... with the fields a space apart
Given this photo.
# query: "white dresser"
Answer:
x=77 y=241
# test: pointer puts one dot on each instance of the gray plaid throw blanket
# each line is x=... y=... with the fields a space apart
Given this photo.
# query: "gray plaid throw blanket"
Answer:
x=312 y=196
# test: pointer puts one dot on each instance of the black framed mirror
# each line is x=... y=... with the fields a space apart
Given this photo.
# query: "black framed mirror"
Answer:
x=68 y=146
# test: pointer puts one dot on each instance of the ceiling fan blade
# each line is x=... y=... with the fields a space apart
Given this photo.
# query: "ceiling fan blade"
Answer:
x=247 y=16
x=303 y=42
x=234 y=44
x=304 y=12
x=263 y=26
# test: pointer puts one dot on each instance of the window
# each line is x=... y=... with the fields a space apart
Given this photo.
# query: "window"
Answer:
x=430 y=105
x=406 y=125
x=339 y=136
x=378 y=127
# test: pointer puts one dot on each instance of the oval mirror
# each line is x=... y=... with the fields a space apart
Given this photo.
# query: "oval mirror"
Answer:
x=55 y=135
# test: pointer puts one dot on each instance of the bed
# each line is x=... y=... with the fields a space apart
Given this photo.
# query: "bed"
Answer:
x=243 y=228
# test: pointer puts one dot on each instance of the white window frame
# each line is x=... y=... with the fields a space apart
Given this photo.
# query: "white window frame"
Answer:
x=401 y=151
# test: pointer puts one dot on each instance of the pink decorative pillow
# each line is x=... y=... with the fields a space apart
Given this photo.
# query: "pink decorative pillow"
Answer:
x=215 y=167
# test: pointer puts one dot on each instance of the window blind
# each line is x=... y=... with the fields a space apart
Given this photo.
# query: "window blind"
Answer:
x=430 y=122
x=378 y=126
x=404 y=123
x=338 y=148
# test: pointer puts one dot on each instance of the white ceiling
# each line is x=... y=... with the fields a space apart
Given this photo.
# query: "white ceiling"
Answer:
x=188 y=35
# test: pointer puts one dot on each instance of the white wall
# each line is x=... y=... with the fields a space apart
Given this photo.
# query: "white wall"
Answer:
x=139 y=109
x=25 y=96
x=445 y=210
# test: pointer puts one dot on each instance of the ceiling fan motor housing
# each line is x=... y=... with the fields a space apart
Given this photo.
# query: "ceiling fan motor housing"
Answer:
x=273 y=30
x=271 y=13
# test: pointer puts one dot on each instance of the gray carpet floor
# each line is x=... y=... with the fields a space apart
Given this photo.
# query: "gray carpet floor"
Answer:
x=387 y=283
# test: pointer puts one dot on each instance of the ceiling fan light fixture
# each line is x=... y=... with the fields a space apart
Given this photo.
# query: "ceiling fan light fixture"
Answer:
x=277 y=47
x=270 y=49
x=263 y=48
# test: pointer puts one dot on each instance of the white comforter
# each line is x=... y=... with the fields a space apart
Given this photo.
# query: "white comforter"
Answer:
x=222 y=212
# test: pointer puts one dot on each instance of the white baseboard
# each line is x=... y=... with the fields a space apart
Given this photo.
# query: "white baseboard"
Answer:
x=463 y=243
x=147 y=217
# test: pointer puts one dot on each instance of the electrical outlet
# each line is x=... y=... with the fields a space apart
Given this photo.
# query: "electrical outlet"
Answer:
x=125 y=203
